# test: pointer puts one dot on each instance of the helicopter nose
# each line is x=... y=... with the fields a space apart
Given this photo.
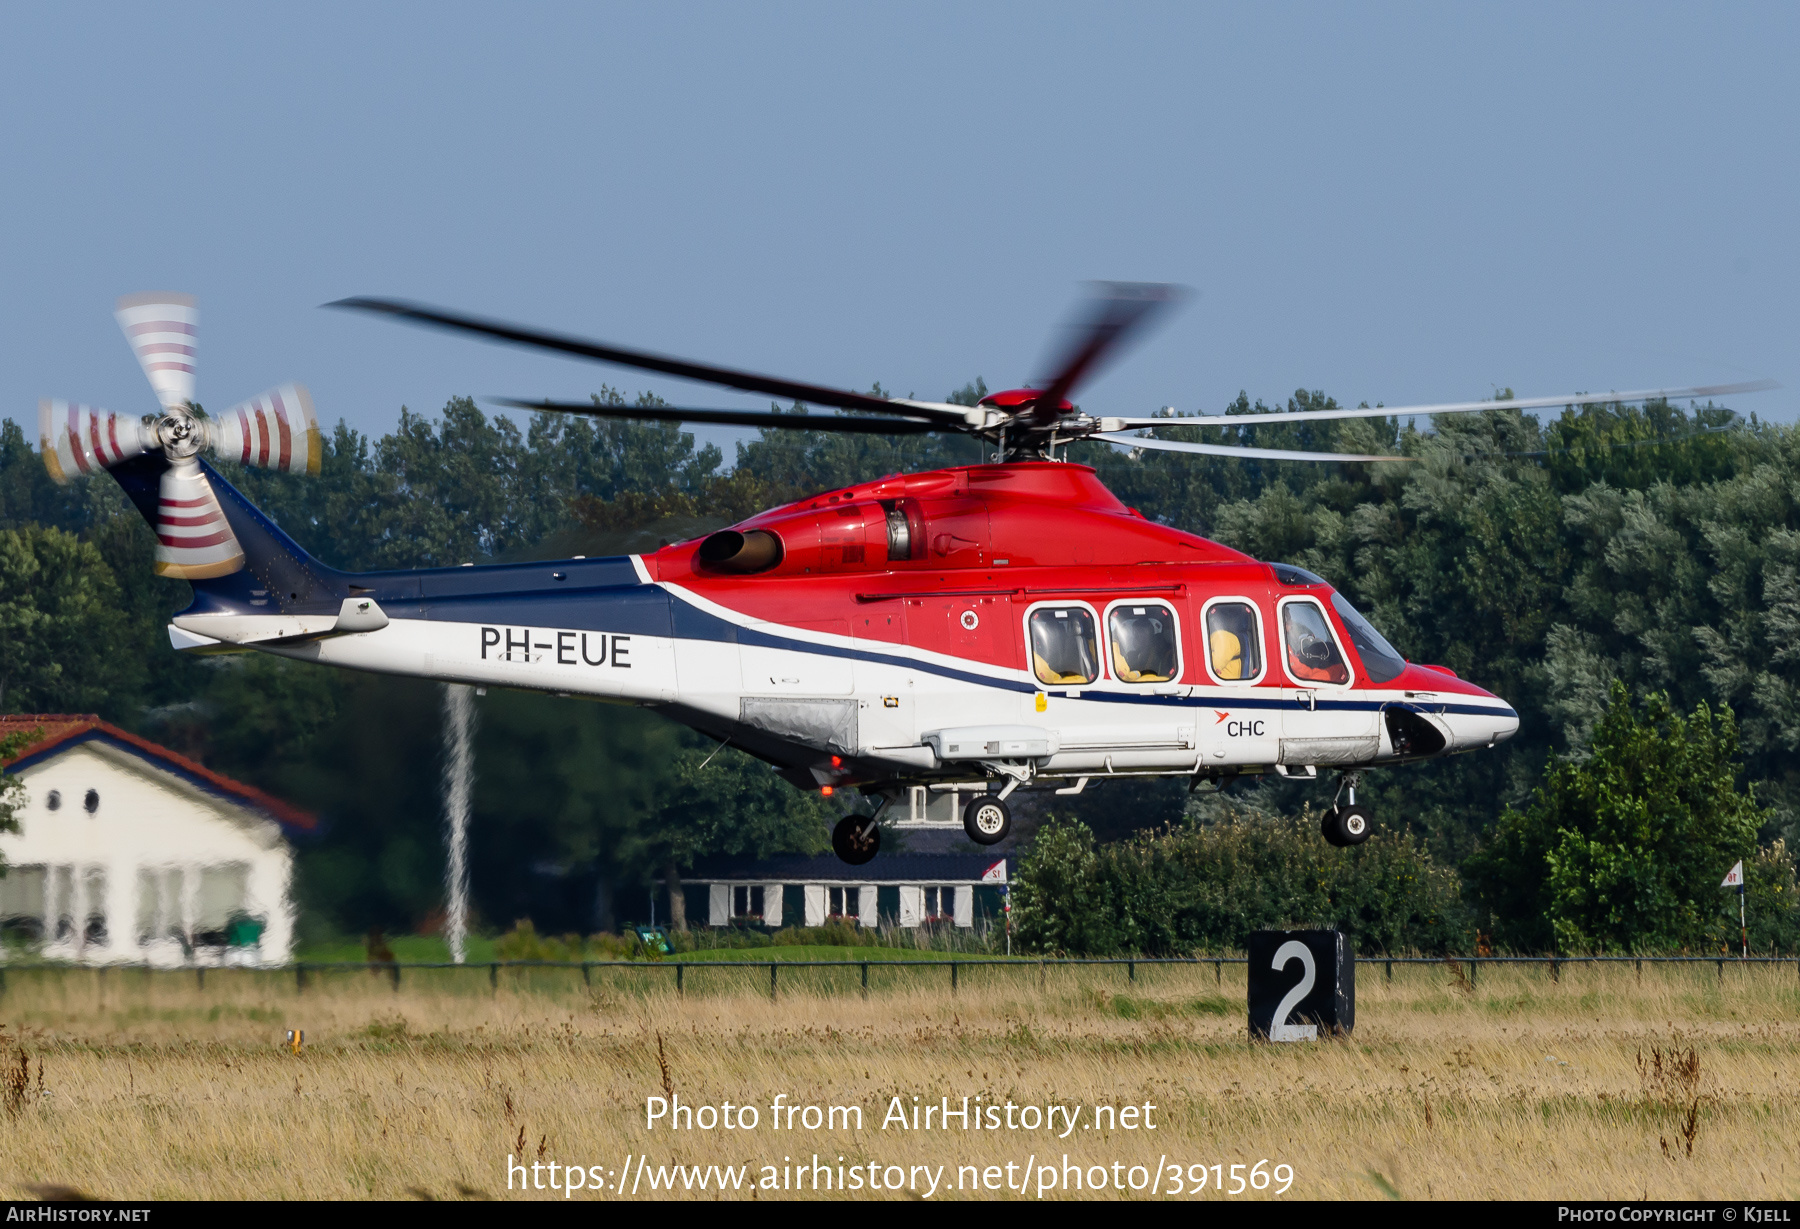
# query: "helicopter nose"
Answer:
x=1479 y=726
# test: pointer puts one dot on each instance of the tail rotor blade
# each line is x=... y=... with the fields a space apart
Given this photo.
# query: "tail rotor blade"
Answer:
x=276 y=430
x=193 y=539
x=163 y=330
x=78 y=439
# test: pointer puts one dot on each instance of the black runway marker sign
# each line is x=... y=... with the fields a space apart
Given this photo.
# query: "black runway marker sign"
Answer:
x=1302 y=984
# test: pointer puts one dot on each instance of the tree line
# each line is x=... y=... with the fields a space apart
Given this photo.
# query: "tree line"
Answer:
x=1652 y=549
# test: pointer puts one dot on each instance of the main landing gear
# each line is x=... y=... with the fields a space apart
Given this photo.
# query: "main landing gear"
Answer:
x=1347 y=825
x=856 y=839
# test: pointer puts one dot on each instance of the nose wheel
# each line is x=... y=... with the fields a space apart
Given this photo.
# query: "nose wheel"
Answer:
x=1349 y=825
x=987 y=820
x=856 y=839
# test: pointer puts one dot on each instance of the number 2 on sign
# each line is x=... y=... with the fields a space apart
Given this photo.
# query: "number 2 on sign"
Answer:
x=1280 y=1029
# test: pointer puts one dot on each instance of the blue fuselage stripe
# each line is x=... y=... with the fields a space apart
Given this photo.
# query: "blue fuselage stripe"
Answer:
x=650 y=610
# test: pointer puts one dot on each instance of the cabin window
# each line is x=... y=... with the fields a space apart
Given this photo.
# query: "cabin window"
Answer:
x=843 y=903
x=1064 y=645
x=1380 y=662
x=940 y=904
x=1233 y=645
x=1312 y=652
x=747 y=903
x=1145 y=645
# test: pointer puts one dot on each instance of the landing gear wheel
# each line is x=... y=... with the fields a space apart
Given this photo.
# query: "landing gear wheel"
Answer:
x=856 y=839
x=1346 y=826
x=987 y=820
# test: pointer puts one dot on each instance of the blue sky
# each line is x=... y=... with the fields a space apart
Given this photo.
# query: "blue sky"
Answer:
x=1396 y=202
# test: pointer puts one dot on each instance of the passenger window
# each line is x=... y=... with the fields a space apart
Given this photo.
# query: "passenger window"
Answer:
x=1231 y=641
x=1064 y=646
x=1144 y=645
x=1312 y=655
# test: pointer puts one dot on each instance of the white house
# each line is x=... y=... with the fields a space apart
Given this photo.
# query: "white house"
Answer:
x=896 y=889
x=129 y=852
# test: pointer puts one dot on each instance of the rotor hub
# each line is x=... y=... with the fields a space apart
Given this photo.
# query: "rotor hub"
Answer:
x=180 y=433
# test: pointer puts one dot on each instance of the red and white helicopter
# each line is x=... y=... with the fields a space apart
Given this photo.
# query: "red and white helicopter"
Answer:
x=935 y=640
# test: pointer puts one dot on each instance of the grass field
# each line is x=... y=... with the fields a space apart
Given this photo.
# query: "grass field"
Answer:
x=1595 y=1085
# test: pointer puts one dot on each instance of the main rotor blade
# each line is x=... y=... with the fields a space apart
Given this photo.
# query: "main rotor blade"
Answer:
x=1228 y=450
x=1113 y=315
x=733 y=418
x=562 y=343
x=1453 y=407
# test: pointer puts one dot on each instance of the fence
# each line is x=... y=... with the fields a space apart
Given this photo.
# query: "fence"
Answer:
x=679 y=969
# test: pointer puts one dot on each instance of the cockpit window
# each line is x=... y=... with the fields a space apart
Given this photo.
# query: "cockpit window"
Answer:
x=1064 y=645
x=1144 y=644
x=1312 y=654
x=1232 y=646
x=1380 y=662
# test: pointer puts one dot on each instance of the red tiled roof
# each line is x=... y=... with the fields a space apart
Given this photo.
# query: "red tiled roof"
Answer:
x=58 y=729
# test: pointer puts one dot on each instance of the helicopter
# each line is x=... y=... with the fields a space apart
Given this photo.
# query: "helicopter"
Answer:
x=936 y=641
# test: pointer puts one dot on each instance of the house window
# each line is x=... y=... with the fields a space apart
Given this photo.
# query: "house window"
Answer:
x=1064 y=646
x=940 y=904
x=159 y=904
x=747 y=903
x=224 y=891
x=93 y=888
x=843 y=903
x=62 y=891
x=22 y=903
x=1145 y=647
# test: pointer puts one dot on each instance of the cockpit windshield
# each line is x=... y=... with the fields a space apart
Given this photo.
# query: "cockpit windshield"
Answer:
x=1380 y=661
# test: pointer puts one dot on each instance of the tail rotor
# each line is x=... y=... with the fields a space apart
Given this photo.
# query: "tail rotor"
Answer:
x=277 y=429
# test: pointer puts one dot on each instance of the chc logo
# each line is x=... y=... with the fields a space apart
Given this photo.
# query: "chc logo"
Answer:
x=1245 y=729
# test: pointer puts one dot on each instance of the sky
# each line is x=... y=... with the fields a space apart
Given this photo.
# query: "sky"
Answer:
x=1397 y=203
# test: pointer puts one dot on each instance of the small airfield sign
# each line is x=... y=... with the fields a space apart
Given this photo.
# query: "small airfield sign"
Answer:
x=1734 y=878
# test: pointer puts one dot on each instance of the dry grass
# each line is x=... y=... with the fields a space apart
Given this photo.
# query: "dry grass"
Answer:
x=1597 y=1085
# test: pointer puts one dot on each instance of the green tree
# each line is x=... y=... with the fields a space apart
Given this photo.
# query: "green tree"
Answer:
x=1623 y=850
x=720 y=801
x=64 y=639
x=1208 y=885
x=12 y=790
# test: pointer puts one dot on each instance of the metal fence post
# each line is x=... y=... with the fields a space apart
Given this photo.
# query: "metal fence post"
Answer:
x=1474 y=968
x=299 y=977
x=394 y=972
x=773 y=969
x=681 y=978
x=865 y=984
x=953 y=967
x=587 y=973
x=1390 y=972
x=1131 y=970
x=1219 y=972
x=494 y=976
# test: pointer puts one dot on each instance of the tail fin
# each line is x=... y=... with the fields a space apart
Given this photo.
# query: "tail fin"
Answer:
x=276 y=576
